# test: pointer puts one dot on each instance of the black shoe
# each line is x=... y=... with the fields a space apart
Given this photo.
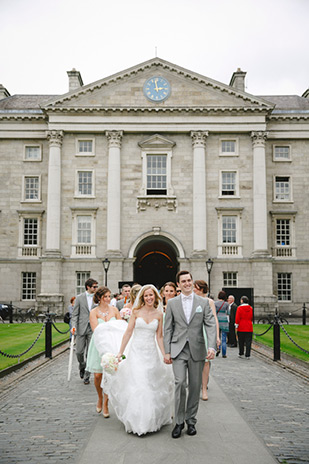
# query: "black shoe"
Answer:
x=86 y=381
x=82 y=373
x=191 y=429
x=177 y=430
x=218 y=352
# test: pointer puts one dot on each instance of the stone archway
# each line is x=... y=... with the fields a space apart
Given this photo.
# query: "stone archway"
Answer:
x=156 y=261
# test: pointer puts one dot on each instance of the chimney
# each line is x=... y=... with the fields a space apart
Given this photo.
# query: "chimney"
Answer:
x=238 y=80
x=3 y=92
x=75 y=80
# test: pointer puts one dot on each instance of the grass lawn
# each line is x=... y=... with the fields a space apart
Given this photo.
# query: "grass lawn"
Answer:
x=299 y=333
x=16 y=338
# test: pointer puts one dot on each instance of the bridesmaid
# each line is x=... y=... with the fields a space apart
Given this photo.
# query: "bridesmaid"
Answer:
x=101 y=314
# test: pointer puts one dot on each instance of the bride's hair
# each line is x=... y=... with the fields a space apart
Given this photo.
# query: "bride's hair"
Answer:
x=140 y=302
x=99 y=293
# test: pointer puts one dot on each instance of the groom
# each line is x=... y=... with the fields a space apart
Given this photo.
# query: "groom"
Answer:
x=184 y=346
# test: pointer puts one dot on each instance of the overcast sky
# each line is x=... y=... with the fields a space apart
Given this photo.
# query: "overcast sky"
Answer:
x=42 y=39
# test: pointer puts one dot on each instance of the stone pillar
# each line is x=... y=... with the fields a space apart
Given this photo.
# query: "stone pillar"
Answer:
x=113 y=193
x=54 y=194
x=260 y=247
x=199 y=193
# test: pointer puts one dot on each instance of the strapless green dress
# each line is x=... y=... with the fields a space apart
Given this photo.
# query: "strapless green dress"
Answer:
x=93 y=357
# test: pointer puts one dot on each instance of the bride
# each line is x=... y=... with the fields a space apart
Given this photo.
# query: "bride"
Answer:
x=141 y=391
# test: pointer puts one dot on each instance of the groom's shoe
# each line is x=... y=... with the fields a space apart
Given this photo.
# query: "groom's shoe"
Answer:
x=177 y=430
x=191 y=429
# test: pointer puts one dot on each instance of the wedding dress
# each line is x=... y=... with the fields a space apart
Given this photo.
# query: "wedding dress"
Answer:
x=141 y=391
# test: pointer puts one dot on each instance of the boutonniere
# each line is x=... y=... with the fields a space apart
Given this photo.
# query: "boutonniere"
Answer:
x=199 y=309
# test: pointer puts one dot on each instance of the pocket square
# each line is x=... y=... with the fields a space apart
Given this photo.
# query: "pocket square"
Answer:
x=199 y=309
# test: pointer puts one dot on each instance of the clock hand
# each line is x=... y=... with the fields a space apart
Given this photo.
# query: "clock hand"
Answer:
x=156 y=82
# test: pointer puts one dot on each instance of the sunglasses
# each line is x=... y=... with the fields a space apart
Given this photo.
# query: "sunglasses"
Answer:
x=94 y=286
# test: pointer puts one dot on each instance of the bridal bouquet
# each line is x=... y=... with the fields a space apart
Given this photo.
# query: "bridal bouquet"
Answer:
x=110 y=362
x=125 y=313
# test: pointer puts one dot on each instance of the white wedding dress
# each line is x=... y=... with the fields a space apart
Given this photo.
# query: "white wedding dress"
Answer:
x=141 y=391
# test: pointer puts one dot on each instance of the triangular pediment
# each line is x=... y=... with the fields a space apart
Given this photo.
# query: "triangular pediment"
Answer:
x=188 y=90
x=157 y=142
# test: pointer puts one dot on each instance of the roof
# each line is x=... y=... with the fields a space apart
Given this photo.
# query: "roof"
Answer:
x=288 y=102
x=25 y=102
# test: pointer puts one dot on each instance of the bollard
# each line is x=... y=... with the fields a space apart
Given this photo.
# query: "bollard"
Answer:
x=11 y=312
x=304 y=314
x=276 y=338
x=48 y=336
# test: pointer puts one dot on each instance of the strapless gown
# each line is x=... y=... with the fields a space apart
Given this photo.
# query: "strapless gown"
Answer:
x=141 y=392
x=93 y=357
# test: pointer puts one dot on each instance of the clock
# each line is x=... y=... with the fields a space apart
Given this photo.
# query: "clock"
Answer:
x=157 y=89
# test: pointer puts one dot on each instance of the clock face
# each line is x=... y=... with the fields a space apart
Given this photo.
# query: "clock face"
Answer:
x=157 y=89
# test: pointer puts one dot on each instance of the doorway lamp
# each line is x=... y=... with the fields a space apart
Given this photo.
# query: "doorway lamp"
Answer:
x=209 y=264
x=106 y=262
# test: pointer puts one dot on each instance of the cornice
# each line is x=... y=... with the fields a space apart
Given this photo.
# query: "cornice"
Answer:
x=287 y=116
x=18 y=117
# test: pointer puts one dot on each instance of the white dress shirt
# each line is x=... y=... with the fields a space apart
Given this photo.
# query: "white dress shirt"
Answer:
x=187 y=303
x=89 y=300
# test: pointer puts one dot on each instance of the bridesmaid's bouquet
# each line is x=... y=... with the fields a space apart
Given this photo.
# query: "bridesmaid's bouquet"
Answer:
x=125 y=313
x=110 y=362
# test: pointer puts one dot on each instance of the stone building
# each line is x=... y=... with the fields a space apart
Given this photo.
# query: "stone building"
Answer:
x=156 y=168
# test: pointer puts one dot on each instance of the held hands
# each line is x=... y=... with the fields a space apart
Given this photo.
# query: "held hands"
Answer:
x=168 y=359
x=211 y=354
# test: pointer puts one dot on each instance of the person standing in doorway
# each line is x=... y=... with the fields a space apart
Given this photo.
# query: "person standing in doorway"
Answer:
x=232 y=341
x=244 y=326
x=81 y=326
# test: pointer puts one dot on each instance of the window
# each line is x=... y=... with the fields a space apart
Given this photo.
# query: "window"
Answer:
x=283 y=234
x=29 y=242
x=28 y=286
x=31 y=188
x=30 y=231
x=81 y=278
x=32 y=153
x=229 y=279
x=156 y=175
x=284 y=286
x=85 y=147
x=282 y=188
x=83 y=232
x=229 y=184
x=229 y=232
x=85 y=184
x=282 y=153
x=228 y=147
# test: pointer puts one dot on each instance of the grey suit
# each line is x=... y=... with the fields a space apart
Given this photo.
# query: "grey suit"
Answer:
x=80 y=320
x=185 y=342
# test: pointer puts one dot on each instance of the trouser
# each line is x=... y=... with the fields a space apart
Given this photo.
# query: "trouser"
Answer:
x=232 y=335
x=184 y=365
x=82 y=344
x=245 y=339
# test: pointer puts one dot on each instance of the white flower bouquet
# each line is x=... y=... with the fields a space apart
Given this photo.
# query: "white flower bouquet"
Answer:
x=125 y=313
x=110 y=362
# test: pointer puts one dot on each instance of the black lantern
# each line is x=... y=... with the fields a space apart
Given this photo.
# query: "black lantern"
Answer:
x=106 y=262
x=209 y=264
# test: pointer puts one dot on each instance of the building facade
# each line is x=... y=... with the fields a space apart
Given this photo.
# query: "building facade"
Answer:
x=156 y=168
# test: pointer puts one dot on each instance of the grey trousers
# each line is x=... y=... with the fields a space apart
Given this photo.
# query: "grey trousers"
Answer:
x=82 y=345
x=185 y=368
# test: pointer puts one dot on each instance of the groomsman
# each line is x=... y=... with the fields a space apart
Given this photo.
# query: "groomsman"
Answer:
x=184 y=345
x=81 y=326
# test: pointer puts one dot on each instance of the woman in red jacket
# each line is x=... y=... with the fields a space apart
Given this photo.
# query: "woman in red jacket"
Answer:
x=244 y=326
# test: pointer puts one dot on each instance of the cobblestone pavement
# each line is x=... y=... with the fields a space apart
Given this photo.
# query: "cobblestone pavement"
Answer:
x=43 y=418
x=273 y=401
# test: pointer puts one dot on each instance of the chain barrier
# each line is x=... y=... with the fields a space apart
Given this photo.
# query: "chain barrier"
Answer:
x=59 y=331
x=259 y=335
x=302 y=349
x=26 y=351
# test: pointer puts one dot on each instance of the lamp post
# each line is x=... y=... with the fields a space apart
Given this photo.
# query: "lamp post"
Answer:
x=209 y=264
x=106 y=262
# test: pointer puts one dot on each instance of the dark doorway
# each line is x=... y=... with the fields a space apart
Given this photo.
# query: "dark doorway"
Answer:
x=156 y=262
x=239 y=292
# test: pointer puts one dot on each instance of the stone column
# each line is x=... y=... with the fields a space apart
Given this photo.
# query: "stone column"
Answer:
x=260 y=246
x=54 y=194
x=199 y=192
x=113 y=192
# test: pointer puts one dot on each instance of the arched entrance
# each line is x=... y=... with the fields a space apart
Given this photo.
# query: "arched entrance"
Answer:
x=156 y=261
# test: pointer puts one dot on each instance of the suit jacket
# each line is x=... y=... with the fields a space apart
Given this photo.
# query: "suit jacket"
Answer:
x=233 y=313
x=177 y=331
x=80 y=316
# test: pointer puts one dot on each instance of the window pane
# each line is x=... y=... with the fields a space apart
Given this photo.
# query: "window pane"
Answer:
x=85 y=183
x=33 y=153
x=283 y=232
x=229 y=229
x=228 y=183
x=81 y=278
x=85 y=146
x=228 y=146
x=156 y=173
x=282 y=188
x=230 y=279
x=30 y=231
x=284 y=286
x=28 y=285
x=83 y=229
x=282 y=152
x=31 y=188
